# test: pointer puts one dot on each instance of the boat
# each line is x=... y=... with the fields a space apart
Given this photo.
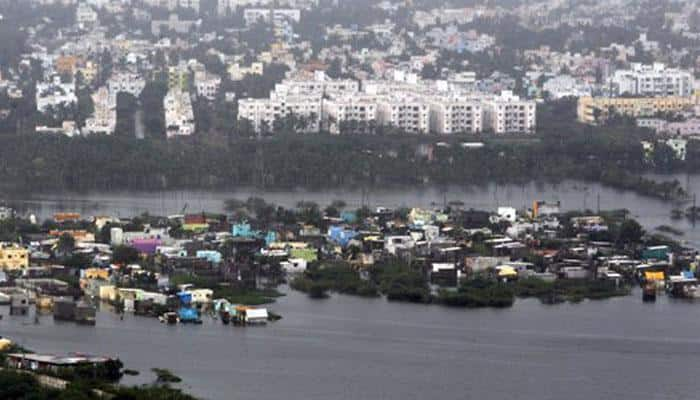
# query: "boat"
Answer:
x=170 y=318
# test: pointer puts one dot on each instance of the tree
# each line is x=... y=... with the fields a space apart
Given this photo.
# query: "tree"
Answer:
x=153 y=110
x=630 y=232
x=125 y=255
x=66 y=244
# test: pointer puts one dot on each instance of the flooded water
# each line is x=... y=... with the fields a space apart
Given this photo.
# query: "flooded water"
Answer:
x=572 y=194
x=354 y=348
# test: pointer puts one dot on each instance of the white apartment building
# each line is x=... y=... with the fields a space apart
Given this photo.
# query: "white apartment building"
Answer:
x=319 y=84
x=652 y=80
x=126 y=82
x=450 y=115
x=255 y=15
x=179 y=115
x=507 y=113
x=228 y=6
x=236 y=72
x=172 y=5
x=55 y=94
x=566 y=86
x=263 y=113
x=85 y=15
x=408 y=113
x=357 y=113
x=104 y=117
x=207 y=85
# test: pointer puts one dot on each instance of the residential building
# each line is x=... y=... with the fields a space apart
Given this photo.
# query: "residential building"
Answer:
x=409 y=113
x=85 y=15
x=507 y=113
x=652 y=80
x=206 y=84
x=104 y=117
x=566 y=86
x=350 y=113
x=455 y=115
x=263 y=114
x=592 y=109
x=55 y=94
x=179 y=115
x=127 y=82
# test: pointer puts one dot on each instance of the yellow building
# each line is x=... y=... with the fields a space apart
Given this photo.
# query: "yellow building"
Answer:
x=630 y=106
x=13 y=257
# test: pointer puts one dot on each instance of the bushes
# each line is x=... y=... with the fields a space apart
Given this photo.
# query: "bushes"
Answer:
x=338 y=277
x=479 y=293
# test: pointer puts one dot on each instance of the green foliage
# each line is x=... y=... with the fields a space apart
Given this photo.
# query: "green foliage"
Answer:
x=125 y=255
x=478 y=292
x=339 y=277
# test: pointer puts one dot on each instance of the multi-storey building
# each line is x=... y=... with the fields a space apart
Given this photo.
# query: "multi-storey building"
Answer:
x=179 y=115
x=350 y=113
x=104 y=117
x=207 y=85
x=318 y=84
x=406 y=112
x=590 y=110
x=55 y=94
x=173 y=5
x=455 y=115
x=652 y=80
x=266 y=114
x=507 y=113
x=126 y=82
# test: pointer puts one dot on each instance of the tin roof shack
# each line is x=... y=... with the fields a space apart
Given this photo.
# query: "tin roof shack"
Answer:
x=67 y=367
x=19 y=304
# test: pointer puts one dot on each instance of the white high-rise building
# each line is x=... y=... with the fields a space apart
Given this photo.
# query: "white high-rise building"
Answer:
x=408 y=113
x=55 y=94
x=508 y=113
x=455 y=115
x=126 y=82
x=104 y=117
x=179 y=115
x=264 y=114
x=350 y=113
x=652 y=80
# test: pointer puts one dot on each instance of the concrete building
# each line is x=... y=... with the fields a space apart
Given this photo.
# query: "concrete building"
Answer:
x=652 y=80
x=455 y=115
x=104 y=117
x=55 y=94
x=591 y=108
x=206 y=85
x=179 y=115
x=126 y=82
x=350 y=113
x=408 y=113
x=264 y=114
x=507 y=113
